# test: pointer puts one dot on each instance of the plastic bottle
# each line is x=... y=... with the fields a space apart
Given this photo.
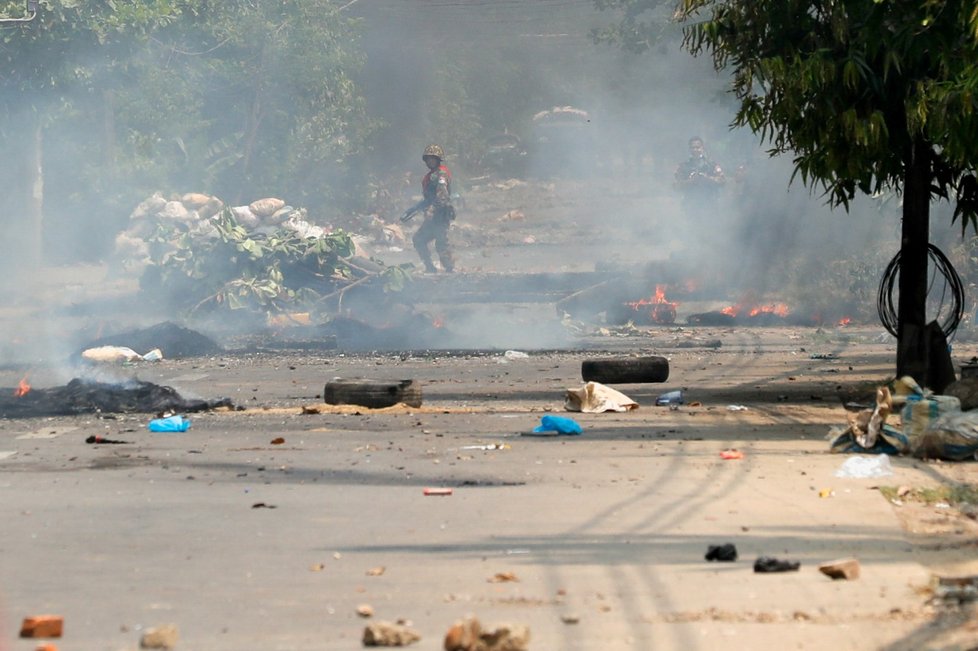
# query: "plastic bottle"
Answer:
x=670 y=398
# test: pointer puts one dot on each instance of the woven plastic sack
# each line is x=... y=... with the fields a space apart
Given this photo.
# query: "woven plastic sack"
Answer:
x=953 y=436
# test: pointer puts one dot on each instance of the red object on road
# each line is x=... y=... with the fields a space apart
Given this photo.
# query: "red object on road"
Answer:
x=438 y=491
x=42 y=626
x=732 y=454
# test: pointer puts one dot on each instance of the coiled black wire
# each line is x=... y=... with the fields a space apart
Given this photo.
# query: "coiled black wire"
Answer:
x=952 y=284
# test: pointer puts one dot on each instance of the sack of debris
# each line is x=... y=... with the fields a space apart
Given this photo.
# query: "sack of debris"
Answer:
x=953 y=437
x=921 y=409
x=868 y=432
x=890 y=440
x=933 y=426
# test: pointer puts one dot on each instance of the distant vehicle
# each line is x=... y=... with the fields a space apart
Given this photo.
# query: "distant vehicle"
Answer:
x=563 y=142
x=506 y=154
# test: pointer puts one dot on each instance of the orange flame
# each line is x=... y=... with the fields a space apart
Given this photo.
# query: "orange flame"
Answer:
x=844 y=321
x=437 y=322
x=663 y=311
x=780 y=309
x=22 y=388
x=660 y=297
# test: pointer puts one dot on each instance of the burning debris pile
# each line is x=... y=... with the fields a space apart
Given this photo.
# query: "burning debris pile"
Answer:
x=741 y=314
x=615 y=301
x=655 y=310
x=86 y=397
x=196 y=253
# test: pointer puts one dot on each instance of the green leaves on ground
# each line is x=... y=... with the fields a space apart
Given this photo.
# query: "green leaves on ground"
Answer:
x=221 y=264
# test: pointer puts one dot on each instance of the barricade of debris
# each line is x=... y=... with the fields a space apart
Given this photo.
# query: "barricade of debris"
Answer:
x=195 y=252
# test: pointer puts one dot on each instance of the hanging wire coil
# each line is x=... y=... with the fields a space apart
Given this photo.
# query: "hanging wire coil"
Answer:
x=952 y=284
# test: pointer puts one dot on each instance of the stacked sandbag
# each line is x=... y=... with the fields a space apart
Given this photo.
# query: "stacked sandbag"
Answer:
x=190 y=213
x=193 y=213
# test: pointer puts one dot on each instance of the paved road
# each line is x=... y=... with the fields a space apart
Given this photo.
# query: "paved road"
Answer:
x=609 y=527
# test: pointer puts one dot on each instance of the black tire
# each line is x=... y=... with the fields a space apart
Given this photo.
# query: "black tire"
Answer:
x=374 y=394
x=630 y=370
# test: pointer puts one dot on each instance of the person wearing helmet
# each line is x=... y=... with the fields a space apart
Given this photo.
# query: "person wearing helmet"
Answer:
x=700 y=181
x=436 y=187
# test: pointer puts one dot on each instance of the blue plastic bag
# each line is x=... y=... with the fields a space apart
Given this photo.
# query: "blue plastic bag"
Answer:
x=558 y=424
x=171 y=424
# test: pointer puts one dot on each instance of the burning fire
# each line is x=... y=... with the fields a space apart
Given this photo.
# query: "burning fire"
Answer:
x=778 y=309
x=844 y=321
x=22 y=388
x=662 y=311
x=437 y=322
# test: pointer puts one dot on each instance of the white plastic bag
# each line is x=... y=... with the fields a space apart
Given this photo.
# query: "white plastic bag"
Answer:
x=865 y=467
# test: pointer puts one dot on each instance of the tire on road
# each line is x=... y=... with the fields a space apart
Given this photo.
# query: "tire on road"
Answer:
x=631 y=370
x=374 y=394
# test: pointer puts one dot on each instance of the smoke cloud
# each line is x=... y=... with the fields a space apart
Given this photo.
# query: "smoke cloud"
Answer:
x=598 y=187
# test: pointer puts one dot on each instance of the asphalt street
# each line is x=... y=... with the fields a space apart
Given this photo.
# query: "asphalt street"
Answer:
x=264 y=528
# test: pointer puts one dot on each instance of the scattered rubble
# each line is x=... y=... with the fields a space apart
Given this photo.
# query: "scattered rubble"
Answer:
x=846 y=568
x=389 y=634
x=365 y=610
x=42 y=626
x=768 y=564
x=160 y=637
x=958 y=589
x=725 y=553
x=468 y=635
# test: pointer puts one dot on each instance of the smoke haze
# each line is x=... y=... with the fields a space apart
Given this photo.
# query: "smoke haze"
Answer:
x=458 y=71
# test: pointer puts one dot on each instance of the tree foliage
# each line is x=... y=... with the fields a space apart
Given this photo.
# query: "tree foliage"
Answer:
x=643 y=24
x=856 y=91
x=238 y=98
x=70 y=39
x=265 y=100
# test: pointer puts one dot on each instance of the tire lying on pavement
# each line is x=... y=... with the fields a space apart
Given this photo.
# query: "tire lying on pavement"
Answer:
x=374 y=394
x=629 y=370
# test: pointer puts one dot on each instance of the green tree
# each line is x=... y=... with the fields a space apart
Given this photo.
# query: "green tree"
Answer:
x=115 y=100
x=644 y=24
x=868 y=97
x=270 y=101
x=42 y=64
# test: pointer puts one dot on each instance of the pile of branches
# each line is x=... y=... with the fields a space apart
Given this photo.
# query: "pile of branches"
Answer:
x=278 y=270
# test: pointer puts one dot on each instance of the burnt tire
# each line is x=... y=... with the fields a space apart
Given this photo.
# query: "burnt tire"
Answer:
x=374 y=394
x=631 y=370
